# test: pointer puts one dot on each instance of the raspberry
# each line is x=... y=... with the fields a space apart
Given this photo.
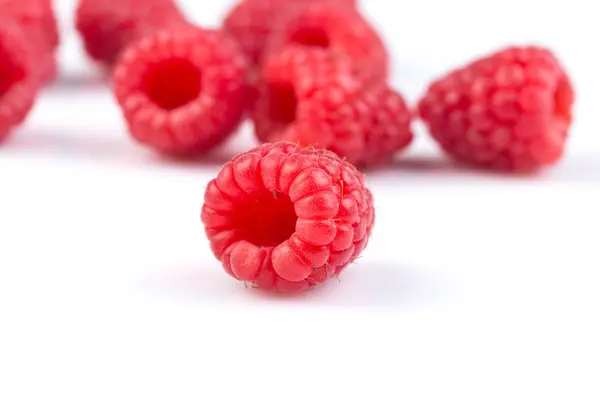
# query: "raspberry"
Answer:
x=107 y=29
x=507 y=111
x=34 y=15
x=314 y=97
x=182 y=92
x=287 y=218
x=19 y=81
x=253 y=22
x=36 y=18
x=338 y=28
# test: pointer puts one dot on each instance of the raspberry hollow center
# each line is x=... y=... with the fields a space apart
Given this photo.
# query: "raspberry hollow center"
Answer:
x=268 y=219
x=311 y=36
x=282 y=103
x=173 y=83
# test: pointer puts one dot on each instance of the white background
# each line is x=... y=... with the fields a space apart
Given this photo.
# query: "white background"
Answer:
x=475 y=286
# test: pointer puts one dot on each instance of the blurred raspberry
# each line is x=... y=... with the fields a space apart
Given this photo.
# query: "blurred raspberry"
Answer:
x=107 y=28
x=253 y=22
x=510 y=110
x=36 y=18
x=19 y=79
x=338 y=28
x=182 y=92
x=314 y=97
x=286 y=218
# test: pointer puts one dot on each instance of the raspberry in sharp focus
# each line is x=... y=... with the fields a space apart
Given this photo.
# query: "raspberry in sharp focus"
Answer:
x=287 y=218
x=107 y=28
x=314 y=97
x=253 y=22
x=510 y=110
x=338 y=28
x=19 y=80
x=182 y=92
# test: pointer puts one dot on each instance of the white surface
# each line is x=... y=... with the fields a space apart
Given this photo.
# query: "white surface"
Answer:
x=475 y=286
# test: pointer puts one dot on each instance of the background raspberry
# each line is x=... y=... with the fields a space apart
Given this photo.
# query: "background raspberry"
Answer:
x=36 y=19
x=106 y=29
x=253 y=22
x=315 y=97
x=338 y=28
x=182 y=92
x=510 y=110
x=19 y=79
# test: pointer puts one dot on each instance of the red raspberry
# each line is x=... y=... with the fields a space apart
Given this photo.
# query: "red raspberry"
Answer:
x=510 y=110
x=182 y=92
x=34 y=15
x=252 y=22
x=19 y=80
x=107 y=28
x=37 y=20
x=313 y=97
x=340 y=29
x=287 y=218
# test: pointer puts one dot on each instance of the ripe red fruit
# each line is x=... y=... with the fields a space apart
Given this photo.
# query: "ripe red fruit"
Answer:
x=253 y=22
x=338 y=28
x=19 y=79
x=37 y=20
x=508 y=111
x=314 y=97
x=34 y=15
x=182 y=92
x=287 y=218
x=107 y=28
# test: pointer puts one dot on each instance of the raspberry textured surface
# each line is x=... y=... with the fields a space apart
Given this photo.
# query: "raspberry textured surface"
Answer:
x=287 y=218
x=510 y=110
x=182 y=92
x=253 y=22
x=337 y=28
x=19 y=80
x=314 y=97
x=107 y=28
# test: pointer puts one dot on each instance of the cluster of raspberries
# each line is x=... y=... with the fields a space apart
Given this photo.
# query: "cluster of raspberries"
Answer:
x=312 y=76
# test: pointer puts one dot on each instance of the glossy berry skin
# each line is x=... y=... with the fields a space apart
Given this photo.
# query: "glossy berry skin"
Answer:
x=315 y=97
x=19 y=77
x=287 y=218
x=182 y=92
x=107 y=28
x=253 y=22
x=508 y=111
x=339 y=29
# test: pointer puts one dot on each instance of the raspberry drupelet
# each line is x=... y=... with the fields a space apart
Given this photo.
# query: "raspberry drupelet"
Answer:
x=508 y=111
x=315 y=97
x=182 y=91
x=287 y=218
